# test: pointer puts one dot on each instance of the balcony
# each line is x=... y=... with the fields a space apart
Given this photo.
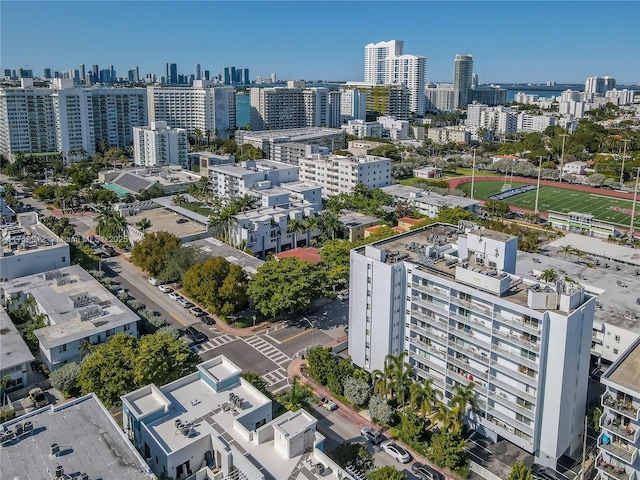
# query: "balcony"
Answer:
x=429 y=318
x=469 y=350
x=515 y=374
x=439 y=352
x=431 y=333
x=521 y=324
x=439 y=382
x=615 y=424
x=483 y=326
x=429 y=304
x=612 y=470
x=439 y=292
x=511 y=404
x=468 y=334
x=618 y=448
x=510 y=422
x=621 y=406
x=464 y=364
x=516 y=339
x=515 y=356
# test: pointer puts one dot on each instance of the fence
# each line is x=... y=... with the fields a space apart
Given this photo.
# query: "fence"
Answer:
x=483 y=472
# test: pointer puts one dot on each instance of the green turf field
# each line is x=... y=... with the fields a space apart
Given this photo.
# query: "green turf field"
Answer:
x=560 y=200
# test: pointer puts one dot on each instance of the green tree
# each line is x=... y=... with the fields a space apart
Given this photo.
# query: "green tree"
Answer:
x=153 y=252
x=255 y=380
x=286 y=285
x=354 y=454
x=298 y=396
x=497 y=207
x=109 y=370
x=454 y=215
x=519 y=472
x=446 y=417
x=422 y=396
x=321 y=364
x=549 y=275
x=400 y=376
x=217 y=284
x=355 y=391
x=65 y=378
x=447 y=450
x=180 y=261
x=412 y=426
x=110 y=224
x=464 y=398
x=330 y=223
x=161 y=359
x=335 y=256
x=387 y=473
x=380 y=410
x=143 y=224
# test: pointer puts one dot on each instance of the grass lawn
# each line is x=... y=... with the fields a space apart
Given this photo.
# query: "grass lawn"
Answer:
x=560 y=200
x=197 y=208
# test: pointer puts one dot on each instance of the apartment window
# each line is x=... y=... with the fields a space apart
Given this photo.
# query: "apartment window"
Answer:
x=62 y=348
x=618 y=338
x=615 y=351
x=64 y=259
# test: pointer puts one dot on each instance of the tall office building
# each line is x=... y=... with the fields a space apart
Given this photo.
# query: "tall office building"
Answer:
x=171 y=74
x=227 y=76
x=202 y=106
x=460 y=309
x=245 y=76
x=47 y=73
x=95 y=73
x=463 y=76
x=134 y=75
x=274 y=78
x=385 y=64
x=198 y=73
x=83 y=73
x=375 y=56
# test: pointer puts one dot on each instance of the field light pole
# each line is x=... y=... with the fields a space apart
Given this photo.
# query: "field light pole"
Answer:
x=473 y=171
x=564 y=137
x=538 y=189
x=312 y=329
x=624 y=154
x=633 y=208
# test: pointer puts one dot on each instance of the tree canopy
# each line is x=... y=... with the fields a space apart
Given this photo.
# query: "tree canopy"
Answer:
x=286 y=285
x=387 y=473
x=519 y=472
x=125 y=363
x=154 y=251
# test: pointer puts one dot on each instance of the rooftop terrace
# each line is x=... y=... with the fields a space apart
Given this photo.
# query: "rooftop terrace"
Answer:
x=626 y=372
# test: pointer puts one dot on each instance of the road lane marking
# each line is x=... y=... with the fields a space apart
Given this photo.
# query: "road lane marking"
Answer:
x=295 y=336
x=178 y=320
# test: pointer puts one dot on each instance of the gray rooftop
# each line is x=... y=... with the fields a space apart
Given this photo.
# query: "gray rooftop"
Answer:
x=167 y=202
x=626 y=371
x=89 y=439
x=265 y=213
x=423 y=196
x=600 y=248
x=354 y=219
x=216 y=248
x=294 y=134
x=67 y=295
x=26 y=236
x=13 y=349
x=240 y=169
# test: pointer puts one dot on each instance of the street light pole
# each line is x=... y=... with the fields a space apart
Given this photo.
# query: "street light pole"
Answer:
x=633 y=208
x=312 y=329
x=473 y=171
x=564 y=137
x=624 y=154
x=538 y=189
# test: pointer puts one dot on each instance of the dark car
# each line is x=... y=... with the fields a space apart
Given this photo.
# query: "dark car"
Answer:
x=540 y=472
x=425 y=472
x=195 y=335
x=208 y=320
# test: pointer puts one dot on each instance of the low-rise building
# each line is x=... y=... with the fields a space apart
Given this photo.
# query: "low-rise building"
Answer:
x=76 y=439
x=306 y=254
x=394 y=129
x=237 y=179
x=582 y=223
x=216 y=424
x=171 y=179
x=448 y=134
x=361 y=148
x=429 y=203
x=29 y=247
x=575 y=168
x=354 y=225
x=362 y=129
x=534 y=123
x=619 y=440
x=212 y=247
x=427 y=172
x=337 y=174
x=266 y=230
x=206 y=160
x=292 y=152
x=15 y=355
x=158 y=145
x=77 y=309
x=331 y=138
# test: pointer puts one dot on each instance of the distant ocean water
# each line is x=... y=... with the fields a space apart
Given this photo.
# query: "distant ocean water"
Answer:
x=243 y=110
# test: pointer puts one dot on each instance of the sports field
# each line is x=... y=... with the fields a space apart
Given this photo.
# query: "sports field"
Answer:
x=561 y=200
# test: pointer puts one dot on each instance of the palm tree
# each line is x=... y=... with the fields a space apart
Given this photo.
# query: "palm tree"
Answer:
x=296 y=226
x=144 y=224
x=207 y=134
x=464 y=397
x=447 y=418
x=423 y=397
x=400 y=376
x=567 y=250
x=179 y=199
x=299 y=395
x=330 y=223
x=198 y=134
x=382 y=380
x=246 y=202
x=549 y=275
x=312 y=224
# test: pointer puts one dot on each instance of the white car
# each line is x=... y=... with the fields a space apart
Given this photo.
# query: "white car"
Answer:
x=153 y=281
x=396 y=451
x=174 y=296
x=165 y=289
x=343 y=296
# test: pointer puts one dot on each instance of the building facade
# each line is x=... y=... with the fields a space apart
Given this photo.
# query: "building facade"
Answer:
x=204 y=107
x=337 y=174
x=462 y=76
x=235 y=180
x=160 y=145
x=454 y=303
x=441 y=97
x=362 y=129
x=266 y=140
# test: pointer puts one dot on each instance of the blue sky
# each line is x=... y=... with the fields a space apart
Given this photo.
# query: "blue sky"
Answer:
x=510 y=41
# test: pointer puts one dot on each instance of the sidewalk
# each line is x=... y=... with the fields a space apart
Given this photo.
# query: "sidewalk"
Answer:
x=295 y=369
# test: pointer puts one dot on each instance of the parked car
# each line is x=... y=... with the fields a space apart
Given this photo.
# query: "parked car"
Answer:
x=330 y=405
x=174 y=296
x=208 y=320
x=38 y=397
x=396 y=451
x=343 y=296
x=195 y=335
x=119 y=289
x=153 y=281
x=165 y=289
x=425 y=472
x=183 y=302
x=372 y=435
x=197 y=311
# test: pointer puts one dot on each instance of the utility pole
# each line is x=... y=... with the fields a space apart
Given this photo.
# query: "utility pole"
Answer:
x=538 y=189
x=564 y=137
x=473 y=171
x=624 y=154
x=633 y=208
x=584 y=447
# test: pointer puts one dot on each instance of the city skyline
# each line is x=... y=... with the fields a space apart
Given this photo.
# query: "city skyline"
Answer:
x=508 y=44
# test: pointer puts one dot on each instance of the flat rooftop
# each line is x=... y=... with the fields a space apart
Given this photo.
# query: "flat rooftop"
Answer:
x=293 y=134
x=265 y=213
x=76 y=304
x=89 y=439
x=239 y=169
x=166 y=219
x=423 y=196
x=13 y=349
x=626 y=372
x=215 y=248
x=26 y=236
x=355 y=219
x=599 y=248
